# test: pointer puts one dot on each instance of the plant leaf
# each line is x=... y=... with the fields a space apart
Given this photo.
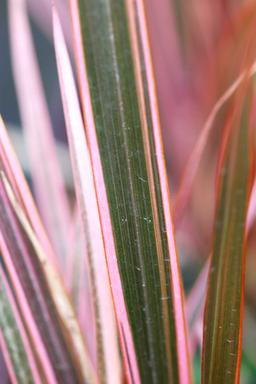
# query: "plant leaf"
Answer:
x=182 y=196
x=48 y=313
x=16 y=342
x=224 y=304
x=8 y=364
x=5 y=376
x=106 y=333
x=122 y=127
x=46 y=174
x=78 y=284
x=19 y=185
x=24 y=199
x=196 y=298
x=41 y=13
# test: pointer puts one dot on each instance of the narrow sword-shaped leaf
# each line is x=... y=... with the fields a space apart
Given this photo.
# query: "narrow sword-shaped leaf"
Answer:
x=106 y=334
x=224 y=304
x=22 y=194
x=15 y=338
x=184 y=191
x=3 y=365
x=196 y=298
x=41 y=13
x=19 y=185
x=78 y=283
x=122 y=126
x=26 y=312
x=46 y=174
x=8 y=363
x=45 y=305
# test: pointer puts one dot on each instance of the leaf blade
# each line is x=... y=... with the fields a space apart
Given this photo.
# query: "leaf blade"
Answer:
x=224 y=304
x=42 y=300
x=51 y=195
x=16 y=342
x=182 y=196
x=113 y=110
x=106 y=335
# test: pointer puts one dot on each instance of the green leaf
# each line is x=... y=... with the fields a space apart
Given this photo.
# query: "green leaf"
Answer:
x=13 y=340
x=107 y=348
x=224 y=305
x=122 y=126
x=46 y=310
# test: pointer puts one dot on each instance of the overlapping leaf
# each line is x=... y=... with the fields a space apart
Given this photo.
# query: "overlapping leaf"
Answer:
x=122 y=127
x=45 y=171
x=47 y=314
x=224 y=305
x=94 y=255
x=16 y=342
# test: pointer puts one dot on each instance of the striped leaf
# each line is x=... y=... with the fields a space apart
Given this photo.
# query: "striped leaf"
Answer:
x=46 y=311
x=123 y=131
x=94 y=255
x=46 y=175
x=17 y=346
x=225 y=295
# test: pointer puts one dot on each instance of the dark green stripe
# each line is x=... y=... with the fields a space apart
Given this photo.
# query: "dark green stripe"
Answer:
x=119 y=132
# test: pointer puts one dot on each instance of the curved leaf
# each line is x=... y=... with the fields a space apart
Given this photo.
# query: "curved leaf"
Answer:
x=182 y=196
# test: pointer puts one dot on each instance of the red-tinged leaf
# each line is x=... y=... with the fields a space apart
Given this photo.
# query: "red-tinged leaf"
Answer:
x=251 y=216
x=41 y=13
x=225 y=294
x=3 y=368
x=45 y=171
x=22 y=193
x=7 y=360
x=21 y=362
x=106 y=334
x=46 y=309
x=78 y=284
x=196 y=297
x=122 y=127
x=184 y=191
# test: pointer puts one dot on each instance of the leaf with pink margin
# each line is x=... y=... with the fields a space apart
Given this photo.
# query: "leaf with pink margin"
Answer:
x=45 y=307
x=196 y=297
x=122 y=127
x=22 y=192
x=14 y=336
x=106 y=333
x=223 y=316
x=77 y=283
x=45 y=171
x=184 y=191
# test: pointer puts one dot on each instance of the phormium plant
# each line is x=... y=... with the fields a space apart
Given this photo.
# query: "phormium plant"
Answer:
x=90 y=282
